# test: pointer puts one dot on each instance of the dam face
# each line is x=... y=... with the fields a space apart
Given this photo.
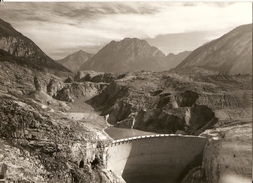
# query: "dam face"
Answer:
x=153 y=158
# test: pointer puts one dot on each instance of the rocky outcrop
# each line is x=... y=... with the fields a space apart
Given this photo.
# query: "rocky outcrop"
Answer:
x=228 y=155
x=186 y=99
x=54 y=86
x=16 y=46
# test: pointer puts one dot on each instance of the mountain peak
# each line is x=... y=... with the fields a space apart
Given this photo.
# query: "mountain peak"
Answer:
x=129 y=54
x=136 y=47
x=129 y=40
x=75 y=60
x=134 y=39
x=82 y=52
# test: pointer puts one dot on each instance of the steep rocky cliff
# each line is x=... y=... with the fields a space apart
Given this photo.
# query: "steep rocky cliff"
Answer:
x=228 y=155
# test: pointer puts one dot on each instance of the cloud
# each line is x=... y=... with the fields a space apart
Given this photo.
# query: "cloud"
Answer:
x=61 y=26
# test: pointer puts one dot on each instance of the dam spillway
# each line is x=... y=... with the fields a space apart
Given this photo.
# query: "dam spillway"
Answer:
x=153 y=158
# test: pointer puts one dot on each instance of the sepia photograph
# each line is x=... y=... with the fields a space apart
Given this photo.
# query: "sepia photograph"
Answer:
x=125 y=92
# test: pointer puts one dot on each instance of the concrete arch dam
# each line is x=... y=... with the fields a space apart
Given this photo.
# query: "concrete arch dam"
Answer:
x=154 y=158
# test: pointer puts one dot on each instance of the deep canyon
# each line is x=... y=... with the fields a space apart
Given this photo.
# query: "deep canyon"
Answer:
x=56 y=127
x=186 y=125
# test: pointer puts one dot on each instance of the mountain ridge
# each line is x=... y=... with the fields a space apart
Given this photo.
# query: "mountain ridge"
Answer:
x=176 y=59
x=21 y=46
x=127 y=55
x=231 y=53
x=75 y=60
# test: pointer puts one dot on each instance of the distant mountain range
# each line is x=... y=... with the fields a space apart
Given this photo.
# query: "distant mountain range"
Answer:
x=175 y=59
x=130 y=54
x=22 y=47
x=74 y=61
x=231 y=53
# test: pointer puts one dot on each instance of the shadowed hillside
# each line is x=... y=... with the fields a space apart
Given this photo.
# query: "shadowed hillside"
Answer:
x=20 y=46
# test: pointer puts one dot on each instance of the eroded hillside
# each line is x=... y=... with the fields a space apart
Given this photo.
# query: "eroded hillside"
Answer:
x=172 y=103
x=43 y=137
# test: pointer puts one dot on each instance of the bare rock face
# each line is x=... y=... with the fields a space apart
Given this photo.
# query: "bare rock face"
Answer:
x=186 y=99
x=54 y=86
x=16 y=47
x=228 y=155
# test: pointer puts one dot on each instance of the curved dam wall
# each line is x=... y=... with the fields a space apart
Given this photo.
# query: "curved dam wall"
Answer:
x=153 y=158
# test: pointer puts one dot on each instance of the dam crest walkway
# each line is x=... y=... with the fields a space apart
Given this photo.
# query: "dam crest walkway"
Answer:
x=125 y=140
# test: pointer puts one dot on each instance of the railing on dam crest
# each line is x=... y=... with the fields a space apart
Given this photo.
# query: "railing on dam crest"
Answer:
x=128 y=140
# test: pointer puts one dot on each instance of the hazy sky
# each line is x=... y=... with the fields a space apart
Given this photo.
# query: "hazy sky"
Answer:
x=63 y=28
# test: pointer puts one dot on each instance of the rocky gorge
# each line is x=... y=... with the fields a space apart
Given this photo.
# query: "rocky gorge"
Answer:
x=39 y=120
x=52 y=125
